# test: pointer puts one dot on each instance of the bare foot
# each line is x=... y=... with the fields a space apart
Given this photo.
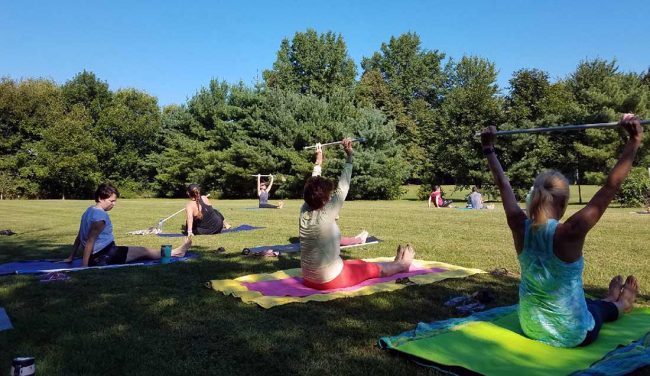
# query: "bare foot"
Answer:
x=625 y=301
x=226 y=225
x=280 y=204
x=615 y=286
x=180 y=251
x=409 y=255
x=400 y=253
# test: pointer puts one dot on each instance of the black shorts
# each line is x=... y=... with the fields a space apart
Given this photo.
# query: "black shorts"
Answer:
x=109 y=255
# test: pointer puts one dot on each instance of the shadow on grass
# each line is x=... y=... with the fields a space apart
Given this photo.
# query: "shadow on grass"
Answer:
x=144 y=320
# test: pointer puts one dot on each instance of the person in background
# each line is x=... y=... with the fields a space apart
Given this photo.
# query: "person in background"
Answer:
x=263 y=194
x=438 y=201
x=201 y=217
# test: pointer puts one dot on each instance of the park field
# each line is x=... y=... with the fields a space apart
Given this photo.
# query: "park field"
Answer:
x=162 y=320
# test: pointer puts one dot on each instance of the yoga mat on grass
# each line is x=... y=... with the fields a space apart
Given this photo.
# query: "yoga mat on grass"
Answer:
x=285 y=286
x=232 y=229
x=48 y=266
x=5 y=322
x=492 y=343
x=295 y=247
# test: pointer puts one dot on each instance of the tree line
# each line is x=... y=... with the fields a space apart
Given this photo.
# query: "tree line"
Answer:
x=417 y=108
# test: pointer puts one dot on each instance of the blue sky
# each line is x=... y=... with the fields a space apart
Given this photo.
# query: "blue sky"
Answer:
x=171 y=49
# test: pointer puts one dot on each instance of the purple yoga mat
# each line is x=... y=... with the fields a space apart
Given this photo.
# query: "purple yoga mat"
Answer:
x=293 y=286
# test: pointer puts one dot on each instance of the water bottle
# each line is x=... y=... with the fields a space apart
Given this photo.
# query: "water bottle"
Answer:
x=165 y=253
x=23 y=366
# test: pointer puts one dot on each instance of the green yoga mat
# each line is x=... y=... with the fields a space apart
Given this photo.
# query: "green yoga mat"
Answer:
x=497 y=345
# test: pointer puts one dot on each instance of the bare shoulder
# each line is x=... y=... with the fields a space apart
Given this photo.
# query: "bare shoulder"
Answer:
x=568 y=243
x=205 y=199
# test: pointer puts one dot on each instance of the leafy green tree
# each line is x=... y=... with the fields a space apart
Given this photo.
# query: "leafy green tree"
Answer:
x=66 y=157
x=27 y=109
x=470 y=103
x=410 y=72
x=86 y=89
x=312 y=63
x=401 y=79
x=603 y=94
x=128 y=131
x=635 y=189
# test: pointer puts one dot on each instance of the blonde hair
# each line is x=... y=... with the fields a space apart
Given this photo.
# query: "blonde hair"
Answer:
x=550 y=188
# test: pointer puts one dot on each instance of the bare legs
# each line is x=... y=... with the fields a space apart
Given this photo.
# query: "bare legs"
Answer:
x=402 y=262
x=135 y=253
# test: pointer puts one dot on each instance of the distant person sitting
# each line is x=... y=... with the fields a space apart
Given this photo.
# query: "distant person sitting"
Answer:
x=263 y=194
x=438 y=201
x=476 y=199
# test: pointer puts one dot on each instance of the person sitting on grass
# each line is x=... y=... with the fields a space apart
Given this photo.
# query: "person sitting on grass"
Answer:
x=320 y=237
x=95 y=235
x=475 y=200
x=201 y=217
x=263 y=194
x=438 y=201
x=552 y=304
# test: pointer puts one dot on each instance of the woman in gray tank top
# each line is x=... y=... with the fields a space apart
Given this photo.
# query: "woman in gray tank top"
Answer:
x=263 y=194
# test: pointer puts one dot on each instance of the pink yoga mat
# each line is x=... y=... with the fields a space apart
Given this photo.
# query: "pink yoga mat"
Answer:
x=293 y=286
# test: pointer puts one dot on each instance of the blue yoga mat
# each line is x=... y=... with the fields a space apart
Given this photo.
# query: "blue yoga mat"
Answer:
x=47 y=266
x=234 y=229
x=295 y=247
x=5 y=323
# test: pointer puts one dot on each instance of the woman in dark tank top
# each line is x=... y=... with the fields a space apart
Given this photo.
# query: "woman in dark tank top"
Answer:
x=201 y=217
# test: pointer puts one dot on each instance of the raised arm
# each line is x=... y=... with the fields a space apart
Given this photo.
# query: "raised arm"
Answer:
x=514 y=214
x=259 y=180
x=336 y=203
x=582 y=221
x=268 y=188
x=319 y=161
x=189 y=216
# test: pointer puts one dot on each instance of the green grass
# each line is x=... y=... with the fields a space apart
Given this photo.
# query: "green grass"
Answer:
x=161 y=319
x=584 y=192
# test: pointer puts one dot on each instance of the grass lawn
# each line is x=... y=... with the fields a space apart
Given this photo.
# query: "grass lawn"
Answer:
x=162 y=320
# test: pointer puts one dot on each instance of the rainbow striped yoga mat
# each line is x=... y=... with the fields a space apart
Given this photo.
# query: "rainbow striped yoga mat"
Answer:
x=282 y=287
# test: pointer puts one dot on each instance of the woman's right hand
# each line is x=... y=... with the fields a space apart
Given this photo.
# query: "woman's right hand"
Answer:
x=632 y=126
x=347 y=146
x=319 y=154
x=488 y=136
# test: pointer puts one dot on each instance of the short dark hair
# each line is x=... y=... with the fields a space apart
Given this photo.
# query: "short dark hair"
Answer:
x=317 y=192
x=104 y=191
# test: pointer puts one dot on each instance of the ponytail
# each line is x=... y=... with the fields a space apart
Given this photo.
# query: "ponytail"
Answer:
x=550 y=189
x=194 y=191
